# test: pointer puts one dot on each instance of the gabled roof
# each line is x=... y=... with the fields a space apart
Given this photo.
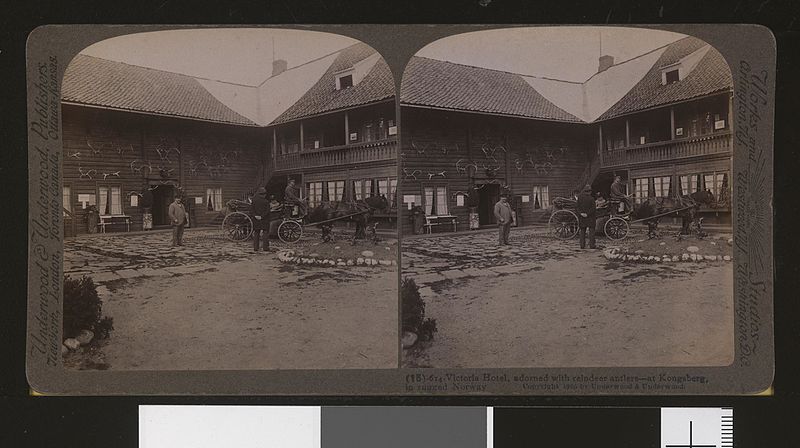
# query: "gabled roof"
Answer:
x=99 y=82
x=378 y=84
x=626 y=87
x=447 y=85
x=710 y=75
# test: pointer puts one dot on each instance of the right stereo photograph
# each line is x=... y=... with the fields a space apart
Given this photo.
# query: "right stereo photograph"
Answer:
x=565 y=196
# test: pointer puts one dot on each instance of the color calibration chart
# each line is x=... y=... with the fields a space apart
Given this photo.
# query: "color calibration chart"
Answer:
x=432 y=427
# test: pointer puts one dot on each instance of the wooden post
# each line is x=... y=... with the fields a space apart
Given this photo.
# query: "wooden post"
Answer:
x=627 y=133
x=346 y=128
x=600 y=146
x=302 y=146
x=274 y=145
x=672 y=123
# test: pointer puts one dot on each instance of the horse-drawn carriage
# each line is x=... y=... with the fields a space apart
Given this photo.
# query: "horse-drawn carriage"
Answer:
x=563 y=221
x=238 y=222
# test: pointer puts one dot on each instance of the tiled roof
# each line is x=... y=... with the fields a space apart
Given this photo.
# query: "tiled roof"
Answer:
x=710 y=75
x=322 y=97
x=100 y=82
x=447 y=85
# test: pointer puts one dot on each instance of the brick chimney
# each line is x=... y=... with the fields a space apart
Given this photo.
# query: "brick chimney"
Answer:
x=278 y=66
x=606 y=62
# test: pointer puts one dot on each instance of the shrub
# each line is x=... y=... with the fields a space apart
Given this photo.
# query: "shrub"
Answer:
x=414 y=311
x=83 y=309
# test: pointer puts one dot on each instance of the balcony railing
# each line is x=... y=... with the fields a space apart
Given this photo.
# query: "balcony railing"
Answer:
x=338 y=155
x=669 y=150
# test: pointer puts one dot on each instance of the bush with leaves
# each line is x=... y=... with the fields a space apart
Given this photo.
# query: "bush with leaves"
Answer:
x=83 y=309
x=414 y=311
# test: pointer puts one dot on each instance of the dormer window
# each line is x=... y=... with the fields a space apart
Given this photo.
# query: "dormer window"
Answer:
x=671 y=76
x=344 y=80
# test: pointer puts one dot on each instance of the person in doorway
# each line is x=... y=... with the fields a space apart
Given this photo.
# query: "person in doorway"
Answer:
x=503 y=215
x=292 y=197
x=260 y=219
x=618 y=190
x=177 y=216
x=586 y=216
x=147 y=207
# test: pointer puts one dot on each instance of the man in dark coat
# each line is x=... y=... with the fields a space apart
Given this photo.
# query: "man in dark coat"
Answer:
x=260 y=219
x=586 y=216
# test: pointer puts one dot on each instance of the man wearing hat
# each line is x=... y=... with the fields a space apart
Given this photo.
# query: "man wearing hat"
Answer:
x=503 y=215
x=291 y=197
x=586 y=216
x=260 y=218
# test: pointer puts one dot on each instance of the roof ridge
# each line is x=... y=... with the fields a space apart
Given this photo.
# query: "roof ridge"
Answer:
x=548 y=78
x=166 y=71
x=314 y=60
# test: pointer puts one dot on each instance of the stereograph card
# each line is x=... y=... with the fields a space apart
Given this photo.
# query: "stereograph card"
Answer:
x=400 y=210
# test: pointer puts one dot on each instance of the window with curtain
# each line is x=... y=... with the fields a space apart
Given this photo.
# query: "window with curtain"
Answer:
x=393 y=192
x=358 y=192
x=383 y=187
x=428 y=191
x=314 y=193
x=718 y=184
x=641 y=189
x=66 y=196
x=661 y=186
x=335 y=190
x=441 y=200
x=214 y=199
x=367 y=188
x=541 y=196
x=689 y=183
x=109 y=200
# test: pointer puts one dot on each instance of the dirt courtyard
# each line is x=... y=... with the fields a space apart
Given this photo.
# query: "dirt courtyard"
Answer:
x=216 y=305
x=545 y=303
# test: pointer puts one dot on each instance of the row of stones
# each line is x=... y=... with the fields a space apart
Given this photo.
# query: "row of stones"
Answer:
x=614 y=253
x=288 y=256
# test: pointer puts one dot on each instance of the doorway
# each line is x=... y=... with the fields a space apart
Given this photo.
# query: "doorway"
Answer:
x=163 y=195
x=488 y=195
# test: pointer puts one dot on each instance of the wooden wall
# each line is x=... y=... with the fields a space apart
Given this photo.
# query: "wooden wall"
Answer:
x=439 y=146
x=134 y=151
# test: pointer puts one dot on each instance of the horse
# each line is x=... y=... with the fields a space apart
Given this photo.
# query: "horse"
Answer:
x=687 y=207
x=360 y=212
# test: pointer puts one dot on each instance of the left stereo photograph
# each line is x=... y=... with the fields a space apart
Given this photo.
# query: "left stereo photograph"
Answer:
x=227 y=202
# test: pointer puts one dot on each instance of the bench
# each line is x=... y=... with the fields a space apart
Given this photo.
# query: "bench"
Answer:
x=106 y=220
x=438 y=220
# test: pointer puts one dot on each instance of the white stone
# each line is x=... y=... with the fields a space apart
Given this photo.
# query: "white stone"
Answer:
x=710 y=257
x=663 y=243
x=72 y=343
x=727 y=258
x=85 y=337
x=337 y=247
x=675 y=258
x=713 y=243
x=341 y=263
x=360 y=260
x=685 y=257
x=386 y=263
x=639 y=252
x=368 y=253
x=350 y=262
x=409 y=339
x=693 y=257
x=730 y=241
x=693 y=249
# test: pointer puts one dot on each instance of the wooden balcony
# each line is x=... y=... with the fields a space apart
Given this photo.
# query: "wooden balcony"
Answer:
x=669 y=150
x=338 y=155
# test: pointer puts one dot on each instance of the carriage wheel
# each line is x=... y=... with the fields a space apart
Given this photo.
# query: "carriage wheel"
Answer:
x=563 y=224
x=289 y=231
x=237 y=226
x=616 y=228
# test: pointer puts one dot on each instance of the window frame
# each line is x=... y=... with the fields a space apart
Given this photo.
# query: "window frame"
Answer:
x=312 y=193
x=541 y=191
x=218 y=202
x=110 y=187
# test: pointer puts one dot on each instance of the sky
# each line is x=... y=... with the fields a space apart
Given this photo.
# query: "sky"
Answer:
x=242 y=56
x=567 y=53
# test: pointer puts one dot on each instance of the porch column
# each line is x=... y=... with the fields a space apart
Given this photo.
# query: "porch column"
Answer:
x=672 y=123
x=627 y=133
x=274 y=146
x=346 y=128
x=302 y=146
x=600 y=141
